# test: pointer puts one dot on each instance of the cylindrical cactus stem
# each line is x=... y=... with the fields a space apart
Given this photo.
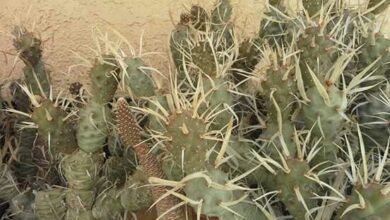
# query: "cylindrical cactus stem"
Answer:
x=180 y=48
x=50 y=204
x=131 y=136
x=30 y=51
x=93 y=127
x=81 y=170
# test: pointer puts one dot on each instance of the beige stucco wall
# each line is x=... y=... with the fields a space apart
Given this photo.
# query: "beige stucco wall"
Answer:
x=66 y=26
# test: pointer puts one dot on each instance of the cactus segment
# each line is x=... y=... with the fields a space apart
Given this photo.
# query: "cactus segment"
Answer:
x=136 y=195
x=214 y=198
x=203 y=58
x=374 y=117
x=199 y=18
x=295 y=184
x=186 y=135
x=180 y=49
x=75 y=214
x=367 y=202
x=376 y=48
x=29 y=50
x=221 y=14
x=53 y=128
x=107 y=205
x=104 y=76
x=50 y=204
x=21 y=206
x=81 y=170
x=25 y=166
x=131 y=136
x=318 y=53
x=138 y=79
x=93 y=127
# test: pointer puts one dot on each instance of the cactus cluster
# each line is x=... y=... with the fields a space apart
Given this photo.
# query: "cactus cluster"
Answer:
x=292 y=123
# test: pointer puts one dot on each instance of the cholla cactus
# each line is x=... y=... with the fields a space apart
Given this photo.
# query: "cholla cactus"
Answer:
x=292 y=123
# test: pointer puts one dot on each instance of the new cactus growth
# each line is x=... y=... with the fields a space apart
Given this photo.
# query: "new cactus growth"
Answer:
x=292 y=123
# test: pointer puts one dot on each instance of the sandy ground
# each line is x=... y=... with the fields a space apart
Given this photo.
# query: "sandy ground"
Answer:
x=69 y=26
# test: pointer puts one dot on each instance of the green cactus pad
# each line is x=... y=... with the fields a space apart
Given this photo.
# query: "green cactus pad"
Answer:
x=199 y=17
x=330 y=115
x=21 y=206
x=376 y=46
x=204 y=59
x=93 y=127
x=374 y=117
x=107 y=205
x=30 y=51
x=24 y=166
x=295 y=180
x=221 y=13
x=37 y=79
x=180 y=48
x=186 y=134
x=198 y=189
x=50 y=121
x=136 y=195
x=138 y=79
x=219 y=100
x=81 y=170
x=105 y=77
x=50 y=204
x=317 y=52
x=80 y=199
x=376 y=206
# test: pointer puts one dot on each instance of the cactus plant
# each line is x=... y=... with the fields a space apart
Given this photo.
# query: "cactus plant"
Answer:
x=290 y=124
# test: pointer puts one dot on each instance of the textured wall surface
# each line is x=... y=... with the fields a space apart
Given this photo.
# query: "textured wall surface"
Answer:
x=66 y=26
